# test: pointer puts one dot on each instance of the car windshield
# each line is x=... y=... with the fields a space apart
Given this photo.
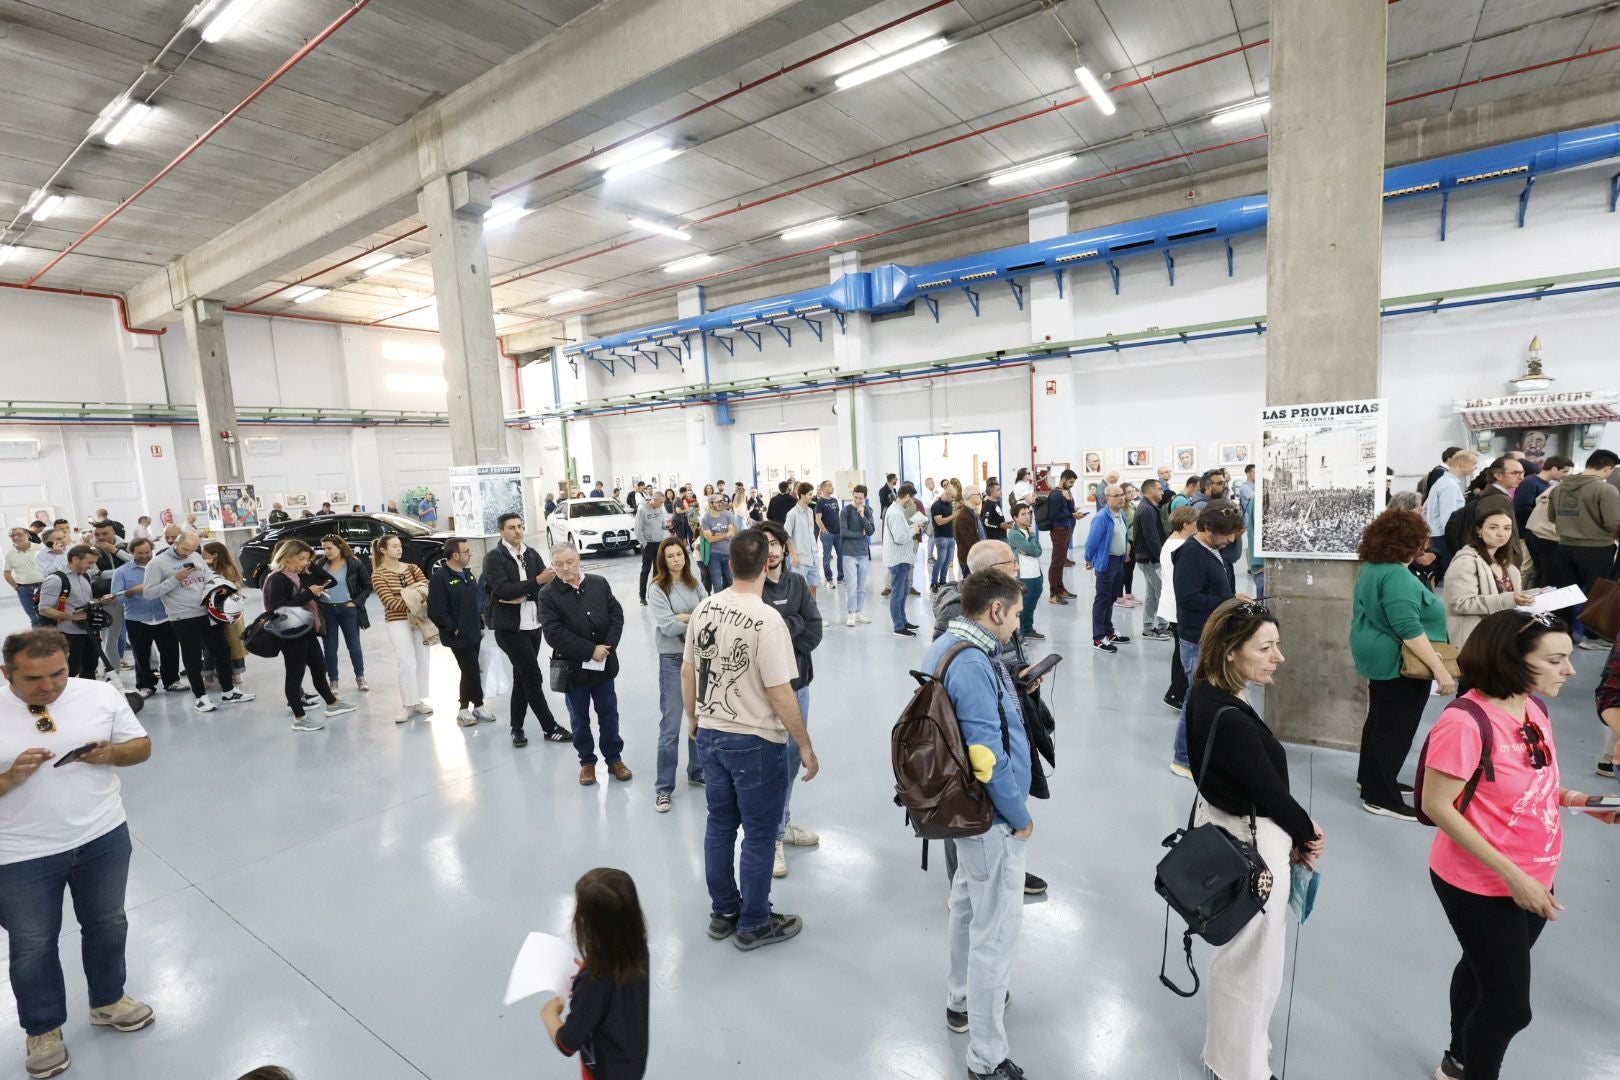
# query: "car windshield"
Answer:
x=403 y=525
x=596 y=508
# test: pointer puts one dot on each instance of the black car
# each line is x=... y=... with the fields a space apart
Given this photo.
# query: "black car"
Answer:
x=423 y=546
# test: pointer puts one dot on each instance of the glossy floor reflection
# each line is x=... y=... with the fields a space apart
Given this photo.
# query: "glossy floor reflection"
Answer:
x=348 y=903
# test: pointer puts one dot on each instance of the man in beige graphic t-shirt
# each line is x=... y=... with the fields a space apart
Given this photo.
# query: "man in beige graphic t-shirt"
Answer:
x=736 y=681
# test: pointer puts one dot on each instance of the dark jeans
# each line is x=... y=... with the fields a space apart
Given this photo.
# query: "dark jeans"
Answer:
x=1394 y=710
x=142 y=636
x=1178 y=674
x=1127 y=579
x=522 y=647
x=28 y=597
x=31 y=912
x=899 y=593
x=472 y=682
x=197 y=635
x=1060 y=558
x=832 y=554
x=84 y=653
x=299 y=655
x=1587 y=565
x=1102 y=604
x=745 y=785
x=345 y=621
x=605 y=699
x=1551 y=567
x=649 y=552
x=1490 y=987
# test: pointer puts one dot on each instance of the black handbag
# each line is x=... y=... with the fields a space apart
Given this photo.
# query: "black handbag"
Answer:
x=1212 y=879
x=560 y=670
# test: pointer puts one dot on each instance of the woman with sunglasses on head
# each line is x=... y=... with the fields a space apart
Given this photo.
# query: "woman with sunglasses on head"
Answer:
x=344 y=605
x=1493 y=862
x=223 y=564
x=1242 y=778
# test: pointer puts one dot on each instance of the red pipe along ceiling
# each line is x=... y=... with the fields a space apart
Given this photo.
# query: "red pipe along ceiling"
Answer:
x=123 y=310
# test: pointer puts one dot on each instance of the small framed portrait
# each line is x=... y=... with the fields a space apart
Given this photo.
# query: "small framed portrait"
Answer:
x=1184 y=458
x=47 y=514
x=1094 y=460
x=336 y=497
x=199 y=506
x=1139 y=457
x=297 y=500
x=1234 y=453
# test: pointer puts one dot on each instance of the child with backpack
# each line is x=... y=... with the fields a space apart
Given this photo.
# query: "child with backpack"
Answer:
x=608 y=1006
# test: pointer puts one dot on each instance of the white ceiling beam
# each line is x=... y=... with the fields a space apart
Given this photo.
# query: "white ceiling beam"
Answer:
x=609 y=63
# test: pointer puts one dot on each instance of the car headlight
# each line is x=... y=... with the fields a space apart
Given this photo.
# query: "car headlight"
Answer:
x=587 y=532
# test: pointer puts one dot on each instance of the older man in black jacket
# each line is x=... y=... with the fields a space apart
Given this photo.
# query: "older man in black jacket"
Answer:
x=513 y=576
x=583 y=622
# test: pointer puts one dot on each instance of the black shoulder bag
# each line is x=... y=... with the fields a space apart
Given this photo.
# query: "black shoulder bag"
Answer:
x=1211 y=878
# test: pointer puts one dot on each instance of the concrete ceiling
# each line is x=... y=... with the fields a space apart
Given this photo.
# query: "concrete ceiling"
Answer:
x=792 y=151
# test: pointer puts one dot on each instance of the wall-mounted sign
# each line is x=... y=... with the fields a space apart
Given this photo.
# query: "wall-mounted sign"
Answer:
x=1320 y=477
x=1051 y=387
x=156 y=450
x=1525 y=401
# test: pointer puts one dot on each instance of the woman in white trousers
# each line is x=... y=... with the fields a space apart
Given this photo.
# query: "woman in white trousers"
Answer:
x=391 y=577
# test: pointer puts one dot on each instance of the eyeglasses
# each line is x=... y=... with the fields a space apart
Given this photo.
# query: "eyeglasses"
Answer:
x=1545 y=618
x=42 y=719
x=1536 y=743
x=1254 y=607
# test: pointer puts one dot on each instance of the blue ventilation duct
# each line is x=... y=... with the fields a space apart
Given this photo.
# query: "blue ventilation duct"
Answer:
x=893 y=286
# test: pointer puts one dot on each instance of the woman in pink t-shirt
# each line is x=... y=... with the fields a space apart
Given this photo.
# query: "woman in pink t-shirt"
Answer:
x=1493 y=861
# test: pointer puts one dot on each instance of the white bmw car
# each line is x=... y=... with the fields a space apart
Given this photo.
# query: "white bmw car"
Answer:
x=594 y=526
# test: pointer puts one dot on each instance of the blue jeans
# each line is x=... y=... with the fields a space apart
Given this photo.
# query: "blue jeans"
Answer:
x=1102 y=604
x=606 y=699
x=987 y=910
x=1189 y=662
x=719 y=572
x=28 y=597
x=671 y=718
x=944 y=554
x=899 y=593
x=345 y=621
x=1032 y=596
x=791 y=762
x=31 y=912
x=831 y=556
x=854 y=569
x=745 y=785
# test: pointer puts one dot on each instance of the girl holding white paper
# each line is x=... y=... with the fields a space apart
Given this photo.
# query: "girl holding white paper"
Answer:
x=607 y=1012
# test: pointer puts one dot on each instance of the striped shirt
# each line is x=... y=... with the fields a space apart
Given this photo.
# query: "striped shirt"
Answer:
x=389 y=584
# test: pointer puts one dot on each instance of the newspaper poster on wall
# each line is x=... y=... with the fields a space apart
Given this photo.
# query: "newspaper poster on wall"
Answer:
x=231 y=506
x=480 y=494
x=1320 y=477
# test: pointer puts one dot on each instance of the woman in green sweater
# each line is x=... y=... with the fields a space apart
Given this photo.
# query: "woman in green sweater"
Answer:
x=1393 y=608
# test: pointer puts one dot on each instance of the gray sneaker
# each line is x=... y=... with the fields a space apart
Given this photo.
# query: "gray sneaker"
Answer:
x=483 y=715
x=125 y=1014
x=338 y=708
x=307 y=723
x=777 y=928
x=47 y=1054
x=466 y=718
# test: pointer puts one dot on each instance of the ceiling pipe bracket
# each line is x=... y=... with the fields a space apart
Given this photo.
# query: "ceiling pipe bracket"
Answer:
x=1524 y=197
x=756 y=336
x=785 y=332
x=1614 y=192
x=933 y=305
x=973 y=298
x=1113 y=273
x=1230 y=271
x=1170 y=266
x=815 y=327
x=724 y=341
x=1057 y=275
x=1445 y=211
x=1017 y=291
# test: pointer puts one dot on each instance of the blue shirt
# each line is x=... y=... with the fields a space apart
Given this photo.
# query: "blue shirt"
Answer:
x=338 y=591
x=137 y=608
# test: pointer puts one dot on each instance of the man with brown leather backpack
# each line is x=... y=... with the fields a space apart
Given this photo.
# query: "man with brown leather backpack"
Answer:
x=987 y=893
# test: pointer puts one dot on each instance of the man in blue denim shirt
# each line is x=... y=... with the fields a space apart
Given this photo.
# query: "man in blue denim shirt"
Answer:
x=987 y=893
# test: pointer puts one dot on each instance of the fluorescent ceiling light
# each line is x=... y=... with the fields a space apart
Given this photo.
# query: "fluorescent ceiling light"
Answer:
x=48 y=206
x=7 y=252
x=687 y=263
x=500 y=216
x=305 y=295
x=1025 y=171
x=1246 y=111
x=1095 y=90
x=661 y=230
x=413 y=351
x=815 y=228
x=415 y=384
x=387 y=264
x=131 y=118
x=892 y=62
x=228 y=16
x=568 y=295
x=635 y=156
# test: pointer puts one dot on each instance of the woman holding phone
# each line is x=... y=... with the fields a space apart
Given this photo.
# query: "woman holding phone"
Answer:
x=344 y=606
x=391 y=577
x=291 y=583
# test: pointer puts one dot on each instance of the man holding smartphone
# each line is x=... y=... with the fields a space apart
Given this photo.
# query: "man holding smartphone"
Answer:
x=63 y=828
x=179 y=577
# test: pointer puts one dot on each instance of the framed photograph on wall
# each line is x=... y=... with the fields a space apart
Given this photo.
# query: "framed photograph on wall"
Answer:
x=1139 y=457
x=1184 y=459
x=1234 y=453
x=1320 y=477
x=1093 y=460
x=337 y=498
x=199 y=506
x=297 y=500
x=47 y=514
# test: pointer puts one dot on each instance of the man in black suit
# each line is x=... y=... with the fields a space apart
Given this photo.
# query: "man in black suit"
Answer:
x=513 y=576
x=583 y=622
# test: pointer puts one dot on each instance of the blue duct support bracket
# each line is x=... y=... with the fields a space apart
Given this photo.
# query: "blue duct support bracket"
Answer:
x=756 y=336
x=721 y=339
x=1229 y=263
x=839 y=315
x=1445 y=208
x=630 y=361
x=573 y=364
x=676 y=351
x=1113 y=274
x=933 y=306
x=1524 y=198
x=1017 y=291
x=815 y=327
x=1614 y=191
x=973 y=298
x=606 y=365
x=786 y=333
x=1170 y=266
x=1058 y=276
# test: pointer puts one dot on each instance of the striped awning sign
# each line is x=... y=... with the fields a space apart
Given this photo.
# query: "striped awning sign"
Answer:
x=1540 y=409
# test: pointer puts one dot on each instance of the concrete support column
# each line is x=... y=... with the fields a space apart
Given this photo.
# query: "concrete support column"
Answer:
x=1324 y=176
x=216 y=401
x=453 y=207
x=851 y=352
x=703 y=462
x=1054 y=401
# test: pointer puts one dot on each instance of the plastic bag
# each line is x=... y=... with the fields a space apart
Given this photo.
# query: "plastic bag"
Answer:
x=494 y=669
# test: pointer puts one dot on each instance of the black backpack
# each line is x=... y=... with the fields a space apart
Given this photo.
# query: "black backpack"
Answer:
x=1042 y=509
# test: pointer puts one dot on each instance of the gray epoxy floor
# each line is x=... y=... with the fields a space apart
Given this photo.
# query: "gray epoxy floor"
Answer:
x=348 y=903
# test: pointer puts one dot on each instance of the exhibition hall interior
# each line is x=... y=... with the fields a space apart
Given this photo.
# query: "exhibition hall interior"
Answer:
x=1087 y=526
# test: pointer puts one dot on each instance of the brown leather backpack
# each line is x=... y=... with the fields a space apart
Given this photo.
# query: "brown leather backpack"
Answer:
x=933 y=778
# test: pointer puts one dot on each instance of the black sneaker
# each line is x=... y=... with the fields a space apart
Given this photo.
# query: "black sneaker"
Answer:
x=1449 y=1068
x=1005 y=1071
x=519 y=739
x=1605 y=769
x=905 y=631
x=559 y=735
x=699 y=780
x=912 y=626
x=1035 y=635
x=1103 y=646
x=722 y=926
x=1034 y=886
x=777 y=928
x=957 y=1020
x=1399 y=813
x=1171 y=703
x=1119 y=639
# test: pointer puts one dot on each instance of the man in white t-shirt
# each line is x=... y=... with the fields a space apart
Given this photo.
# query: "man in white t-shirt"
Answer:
x=737 y=685
x=63 y=826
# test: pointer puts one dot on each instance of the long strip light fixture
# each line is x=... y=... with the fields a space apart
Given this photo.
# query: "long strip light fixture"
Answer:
x=892 y=62
x=7 y=252
x=42 y=204
x=1023 y=172
x=497 y=217
x=633 y=157
x=1238 y=113
x=687 y=263
x=661 y=230
x=568 y=296
x=1095 y=90
x=305 y=295
x=225 y=17
x=382 y=266
x=814 y=228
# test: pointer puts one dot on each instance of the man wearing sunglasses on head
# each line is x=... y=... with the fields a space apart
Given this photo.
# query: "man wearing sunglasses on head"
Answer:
x=63 y=826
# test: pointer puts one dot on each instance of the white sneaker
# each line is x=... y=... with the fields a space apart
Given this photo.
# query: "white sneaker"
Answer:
x=422 y=708
x=146 y=691
x=204 y=704
x=466 y=718
x=126 y=664
x=307 y=723
x=800 y=837
x=235 y=697
x=860 y=618
x=849 y=620
x=779 y=866
x=483 y=715
x=406 y=717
